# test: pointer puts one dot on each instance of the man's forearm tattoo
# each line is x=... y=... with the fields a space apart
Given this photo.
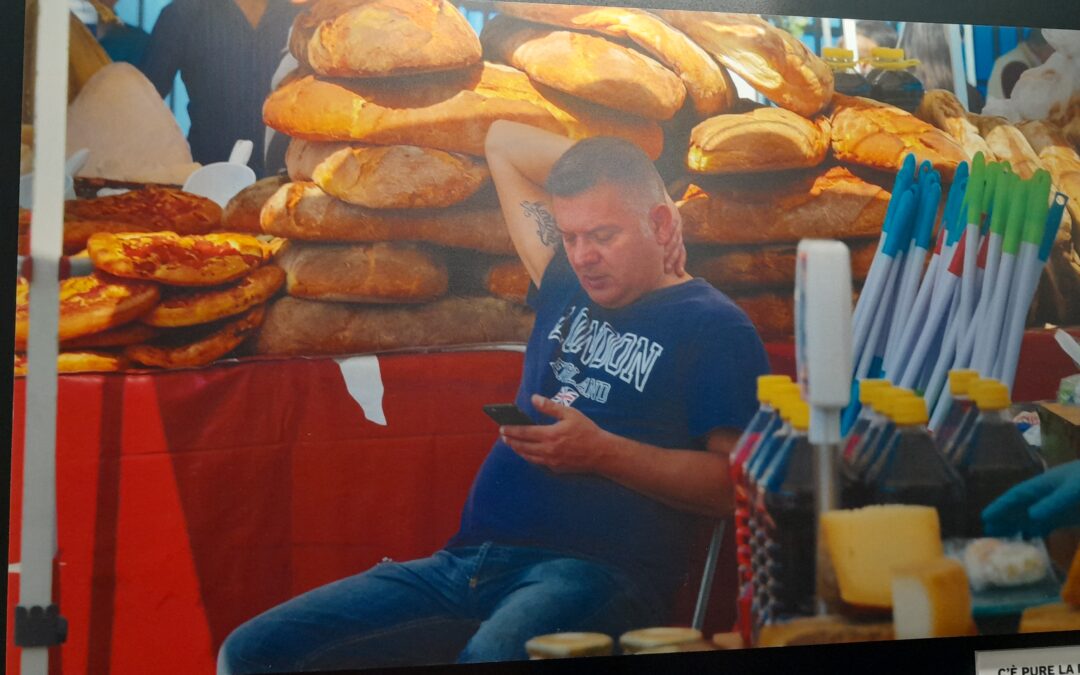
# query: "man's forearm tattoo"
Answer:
x=545 y=222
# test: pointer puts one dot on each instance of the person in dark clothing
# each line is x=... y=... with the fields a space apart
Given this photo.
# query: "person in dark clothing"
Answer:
x=226 y=52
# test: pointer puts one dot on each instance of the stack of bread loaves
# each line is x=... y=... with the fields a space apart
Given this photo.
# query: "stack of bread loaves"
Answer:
x=387 y=114
x=392 y=100
x=766 y=177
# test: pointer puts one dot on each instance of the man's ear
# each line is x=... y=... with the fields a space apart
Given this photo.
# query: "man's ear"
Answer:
x=662 y=223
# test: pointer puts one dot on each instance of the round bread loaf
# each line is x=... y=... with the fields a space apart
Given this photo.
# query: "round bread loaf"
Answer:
x=831 y=203
x=771 y=60
x=764 y=139
x=586 y=66
x=184 y=308
x=242 y=212
x=380 y=272
x=303 y=157
x=309 y=327
x=88 y=305
x=446 y=111
x=380 y=38
x=942 y=109
x=757 y=266
x=707 y=83
x=880 y=136
x=199 y=346
x=303 y=211
x=400 y=176
x=508 y=280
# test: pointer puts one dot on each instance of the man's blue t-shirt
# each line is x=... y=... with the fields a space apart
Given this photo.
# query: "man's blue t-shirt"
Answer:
x=666 y=370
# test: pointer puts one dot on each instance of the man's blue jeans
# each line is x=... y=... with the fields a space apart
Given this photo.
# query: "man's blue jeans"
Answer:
x=466 y=604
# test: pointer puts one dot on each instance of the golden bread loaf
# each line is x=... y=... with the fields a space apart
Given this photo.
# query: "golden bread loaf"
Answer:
x=942 y=109
x=445 y=111
x=378 y=38
x=448 y=111
x=308 y=327
x=242 y=212
x=508 y=280
x=707 y=83
x=380 y=272
x=303 y=211
x=757 y=266
x=771 y=60
x=1048 y=618
x=880 y=136
x=400 y=176
x=586 y=66
x=302 y=157
x=1009 y=145
x=764 y=139
x=832 y=203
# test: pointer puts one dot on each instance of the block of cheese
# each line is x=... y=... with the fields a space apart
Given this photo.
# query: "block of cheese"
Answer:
x=866 y=545
x=1048 y=618
x=931 y=599
x=1070 y=592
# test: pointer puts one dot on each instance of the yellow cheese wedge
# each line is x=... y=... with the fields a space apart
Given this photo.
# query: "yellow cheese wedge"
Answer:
x=1070 y=592
x=931 y=599
x=1047 y=618
x=566 y=645
x=866 y=545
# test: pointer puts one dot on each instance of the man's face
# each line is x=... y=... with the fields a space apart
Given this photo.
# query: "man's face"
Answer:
x=610 y=244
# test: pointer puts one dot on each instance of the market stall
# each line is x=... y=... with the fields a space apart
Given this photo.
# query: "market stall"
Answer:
x=266 y=394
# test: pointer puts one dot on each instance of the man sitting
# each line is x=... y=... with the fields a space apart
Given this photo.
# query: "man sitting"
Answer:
x=639 y=378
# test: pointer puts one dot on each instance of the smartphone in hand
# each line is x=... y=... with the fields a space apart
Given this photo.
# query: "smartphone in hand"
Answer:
x=508 y=414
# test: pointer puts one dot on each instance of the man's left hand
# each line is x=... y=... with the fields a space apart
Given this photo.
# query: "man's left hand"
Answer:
x=574 y=444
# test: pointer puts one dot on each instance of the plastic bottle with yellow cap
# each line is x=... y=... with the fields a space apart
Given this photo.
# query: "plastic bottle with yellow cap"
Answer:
x=891 y=79
x=962 y=414
x=869 y=422
x=995 y=456
x=846 y=79
x=763 y=424
x=873 y=443
x=790 y=525
x=785 y=397
x=867 y=415
x=912 y=470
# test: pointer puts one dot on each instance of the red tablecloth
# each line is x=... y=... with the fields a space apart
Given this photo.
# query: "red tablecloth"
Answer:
x=189 y=501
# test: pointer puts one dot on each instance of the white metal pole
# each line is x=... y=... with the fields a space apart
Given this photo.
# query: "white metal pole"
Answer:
x=956 y=54
x=39 y=472
x=969 y=54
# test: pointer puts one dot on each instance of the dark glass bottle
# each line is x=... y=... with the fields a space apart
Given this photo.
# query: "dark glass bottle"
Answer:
x=846 y=80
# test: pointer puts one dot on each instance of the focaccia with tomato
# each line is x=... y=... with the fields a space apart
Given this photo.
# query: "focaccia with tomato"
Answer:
x=170 y=258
